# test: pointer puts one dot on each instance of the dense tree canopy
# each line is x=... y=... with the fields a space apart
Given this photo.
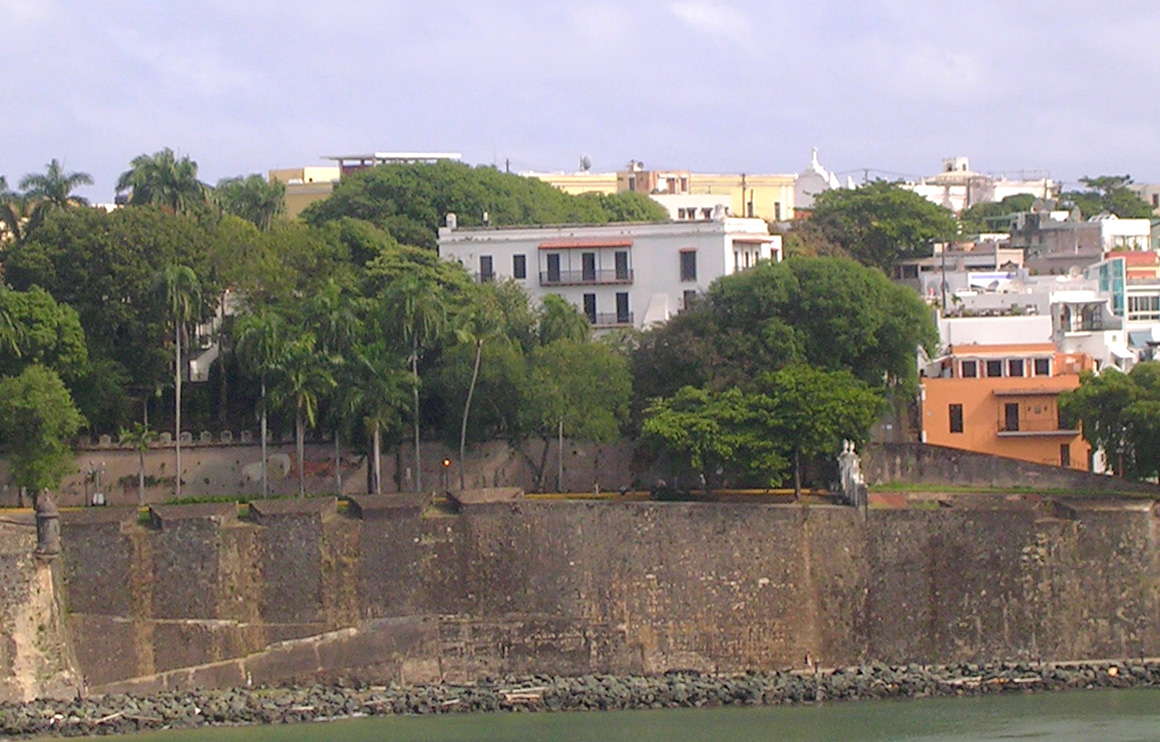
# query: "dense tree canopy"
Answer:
x=45 y=333
x=37 y=421
x=103 y=266
x=411 y=201
x=881 y=222
x=1120 y=415
x=994 y=216
x=253 y=198
x=831 y=313
x=1108 y=194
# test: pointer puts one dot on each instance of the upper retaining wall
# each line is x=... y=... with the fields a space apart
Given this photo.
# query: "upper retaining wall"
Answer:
x=922 y=463
x=572 y=588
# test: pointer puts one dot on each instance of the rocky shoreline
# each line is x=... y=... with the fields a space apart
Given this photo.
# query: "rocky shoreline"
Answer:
x=119 y=714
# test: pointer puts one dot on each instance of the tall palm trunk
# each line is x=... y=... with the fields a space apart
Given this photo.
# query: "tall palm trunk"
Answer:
x=177 y=402
x=797 y=474
x=466 y=412
x=265 y=455
x=140 y=477
x=415 y=395
x=337 y=460
x=377 y=460
x=300 y=446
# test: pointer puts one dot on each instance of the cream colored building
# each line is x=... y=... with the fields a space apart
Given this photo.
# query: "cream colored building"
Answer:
x=769 y=197
x=305 y=185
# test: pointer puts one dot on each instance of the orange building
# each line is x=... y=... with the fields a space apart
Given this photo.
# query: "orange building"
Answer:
x=1004 y=400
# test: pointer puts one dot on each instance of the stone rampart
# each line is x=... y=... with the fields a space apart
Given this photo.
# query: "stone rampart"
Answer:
x=924 y=464
x=390 y=588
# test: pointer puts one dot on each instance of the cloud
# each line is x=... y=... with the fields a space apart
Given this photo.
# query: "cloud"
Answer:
x=716 y=20
x=15 y=14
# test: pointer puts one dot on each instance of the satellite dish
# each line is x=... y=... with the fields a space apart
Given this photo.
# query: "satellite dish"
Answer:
x=585 y=163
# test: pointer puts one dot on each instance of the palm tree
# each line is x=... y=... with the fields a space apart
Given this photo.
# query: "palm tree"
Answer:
x=416 y=308
x=139 y=436
x=331 y=314
x=479 y=323
x=9 y=332
x=53 y=190
x=252 y=198
x=373 y=390
x=13 y=212
x=161 y=179
x=260 y=344
x=302 y=377
x=181 y=294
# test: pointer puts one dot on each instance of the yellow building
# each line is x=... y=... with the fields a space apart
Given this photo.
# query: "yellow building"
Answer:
x=769 y=197
x=582 y=182
x=305 y=185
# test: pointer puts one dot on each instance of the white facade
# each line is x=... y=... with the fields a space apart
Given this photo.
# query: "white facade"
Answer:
x=813 y=181
x=619 y=275
x=958 y=188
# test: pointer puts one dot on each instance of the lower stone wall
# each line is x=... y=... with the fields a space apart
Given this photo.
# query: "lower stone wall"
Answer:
x=623 y=587
x=227 y=470
x=34 y=652
x=922 y=463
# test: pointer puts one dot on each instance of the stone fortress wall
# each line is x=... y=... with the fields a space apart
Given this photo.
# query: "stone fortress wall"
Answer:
x=386 y=588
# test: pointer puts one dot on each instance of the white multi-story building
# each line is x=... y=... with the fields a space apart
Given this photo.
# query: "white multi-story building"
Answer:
x=618 y=275
x=958 y=187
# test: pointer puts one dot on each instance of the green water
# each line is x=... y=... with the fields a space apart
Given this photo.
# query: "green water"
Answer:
x=1093 y=716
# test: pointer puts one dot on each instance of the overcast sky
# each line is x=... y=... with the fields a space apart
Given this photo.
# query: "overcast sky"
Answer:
x=892 y=86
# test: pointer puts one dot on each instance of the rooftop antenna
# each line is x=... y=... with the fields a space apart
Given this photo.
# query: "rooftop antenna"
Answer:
x=585 y=163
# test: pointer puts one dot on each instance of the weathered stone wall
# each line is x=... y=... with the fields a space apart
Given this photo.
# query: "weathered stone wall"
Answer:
x=227 y=470
x=922 y=463
x=569 y=587
x=34 y=654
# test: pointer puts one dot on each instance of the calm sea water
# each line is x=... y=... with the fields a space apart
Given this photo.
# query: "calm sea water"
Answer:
x=1093 y=716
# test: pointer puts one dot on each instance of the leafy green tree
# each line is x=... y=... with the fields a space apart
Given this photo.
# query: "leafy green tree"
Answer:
x=994 y=215
x=831 y=313
x=1119 y=414
x=882 y=223
x=41 y=331
x=301 y=379
x=181 y=293
x=1108 y=194
x=253 y=198
x=809 y=412
x=712 y=432
x=162 y=179
x=103 y=265
x=139 y=436
x=411 y=201
x=576 y=389
x=296 y=260
x=37 y=417
x=53 y=191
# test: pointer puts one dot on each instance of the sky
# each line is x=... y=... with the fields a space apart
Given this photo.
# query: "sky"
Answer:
x=884 y=87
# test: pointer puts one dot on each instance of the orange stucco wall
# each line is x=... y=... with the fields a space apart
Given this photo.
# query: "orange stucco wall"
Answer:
x=983 y=399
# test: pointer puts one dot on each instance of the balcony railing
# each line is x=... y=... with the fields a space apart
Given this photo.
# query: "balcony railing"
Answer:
x=1033 y=427
x=584 y=278
x=611 y=319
